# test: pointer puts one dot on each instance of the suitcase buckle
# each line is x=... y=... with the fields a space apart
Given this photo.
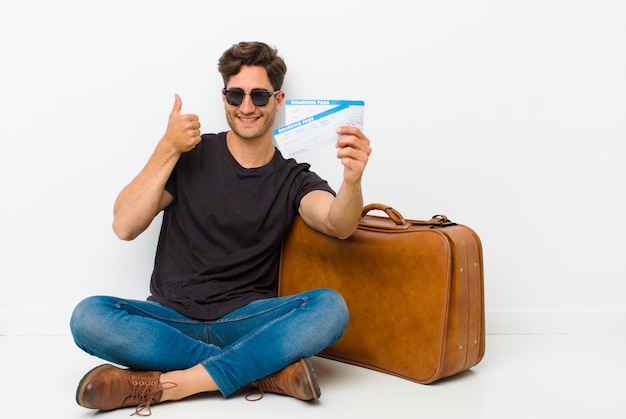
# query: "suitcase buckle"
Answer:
x=439 y=221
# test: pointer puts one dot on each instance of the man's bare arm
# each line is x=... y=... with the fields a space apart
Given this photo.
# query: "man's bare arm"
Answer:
x=145 y=196
x=339 y=216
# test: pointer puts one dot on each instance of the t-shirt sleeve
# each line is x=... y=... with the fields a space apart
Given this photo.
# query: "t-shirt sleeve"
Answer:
x=312 y=182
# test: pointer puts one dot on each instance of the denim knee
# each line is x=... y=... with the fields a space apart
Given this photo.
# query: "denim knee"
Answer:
x=84 y=322
x=335 y=309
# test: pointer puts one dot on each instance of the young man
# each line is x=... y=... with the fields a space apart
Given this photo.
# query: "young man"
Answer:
x=213 y=321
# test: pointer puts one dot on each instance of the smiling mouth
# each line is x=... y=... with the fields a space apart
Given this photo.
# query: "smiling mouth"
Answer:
x=248 y=120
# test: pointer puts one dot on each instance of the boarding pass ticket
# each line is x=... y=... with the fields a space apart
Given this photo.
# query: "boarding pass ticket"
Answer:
x=314 y=131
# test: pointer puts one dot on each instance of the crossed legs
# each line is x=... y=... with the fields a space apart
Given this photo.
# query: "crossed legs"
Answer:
x=192 y=356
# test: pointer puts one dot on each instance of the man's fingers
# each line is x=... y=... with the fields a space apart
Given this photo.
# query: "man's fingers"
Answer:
x=354 y=150
x=361 y=143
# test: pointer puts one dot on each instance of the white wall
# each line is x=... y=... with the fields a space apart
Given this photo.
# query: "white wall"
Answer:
x=506 y=116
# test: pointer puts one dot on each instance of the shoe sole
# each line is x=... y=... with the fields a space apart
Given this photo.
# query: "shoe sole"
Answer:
x=80 y=391
x=312 y=379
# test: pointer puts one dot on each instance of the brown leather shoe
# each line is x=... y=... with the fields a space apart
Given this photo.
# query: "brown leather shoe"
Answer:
x=108 y=387
x=296 y=380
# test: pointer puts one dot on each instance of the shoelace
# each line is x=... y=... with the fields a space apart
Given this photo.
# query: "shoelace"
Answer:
x=144 y=392
x=264 y=385
x=258 y=394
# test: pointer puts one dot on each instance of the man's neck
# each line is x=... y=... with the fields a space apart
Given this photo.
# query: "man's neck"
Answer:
x=250 y=153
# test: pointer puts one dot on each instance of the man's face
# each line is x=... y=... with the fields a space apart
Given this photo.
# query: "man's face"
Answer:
x=248 y=120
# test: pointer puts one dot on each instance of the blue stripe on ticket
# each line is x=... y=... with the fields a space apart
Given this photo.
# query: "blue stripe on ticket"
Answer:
x=311 y=118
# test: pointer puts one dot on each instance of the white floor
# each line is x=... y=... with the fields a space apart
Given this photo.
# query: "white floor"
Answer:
x=521 y=376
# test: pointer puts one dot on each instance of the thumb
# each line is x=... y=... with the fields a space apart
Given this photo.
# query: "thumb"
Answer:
x=178 y=105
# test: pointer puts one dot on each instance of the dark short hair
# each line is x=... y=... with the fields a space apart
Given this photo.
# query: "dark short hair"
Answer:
x=253 y=54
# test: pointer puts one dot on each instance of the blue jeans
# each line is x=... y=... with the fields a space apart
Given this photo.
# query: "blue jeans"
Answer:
x=250 y=343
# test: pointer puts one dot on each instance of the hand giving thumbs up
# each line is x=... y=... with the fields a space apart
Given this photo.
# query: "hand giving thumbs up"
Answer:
x=183 y=130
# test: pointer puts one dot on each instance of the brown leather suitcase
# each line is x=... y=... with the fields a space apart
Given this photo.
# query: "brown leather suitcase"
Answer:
x=414 y=290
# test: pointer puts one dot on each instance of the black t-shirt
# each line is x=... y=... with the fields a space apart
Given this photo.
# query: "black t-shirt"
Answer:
x=219 y=246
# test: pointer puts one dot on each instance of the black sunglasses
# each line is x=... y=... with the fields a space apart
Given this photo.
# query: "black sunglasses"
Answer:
x=259 y=97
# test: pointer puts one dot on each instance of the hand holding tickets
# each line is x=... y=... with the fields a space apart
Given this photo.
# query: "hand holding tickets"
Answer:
x=317 y=130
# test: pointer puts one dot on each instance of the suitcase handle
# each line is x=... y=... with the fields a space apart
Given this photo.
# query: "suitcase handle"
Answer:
x=436 y=221
x=392 y=213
